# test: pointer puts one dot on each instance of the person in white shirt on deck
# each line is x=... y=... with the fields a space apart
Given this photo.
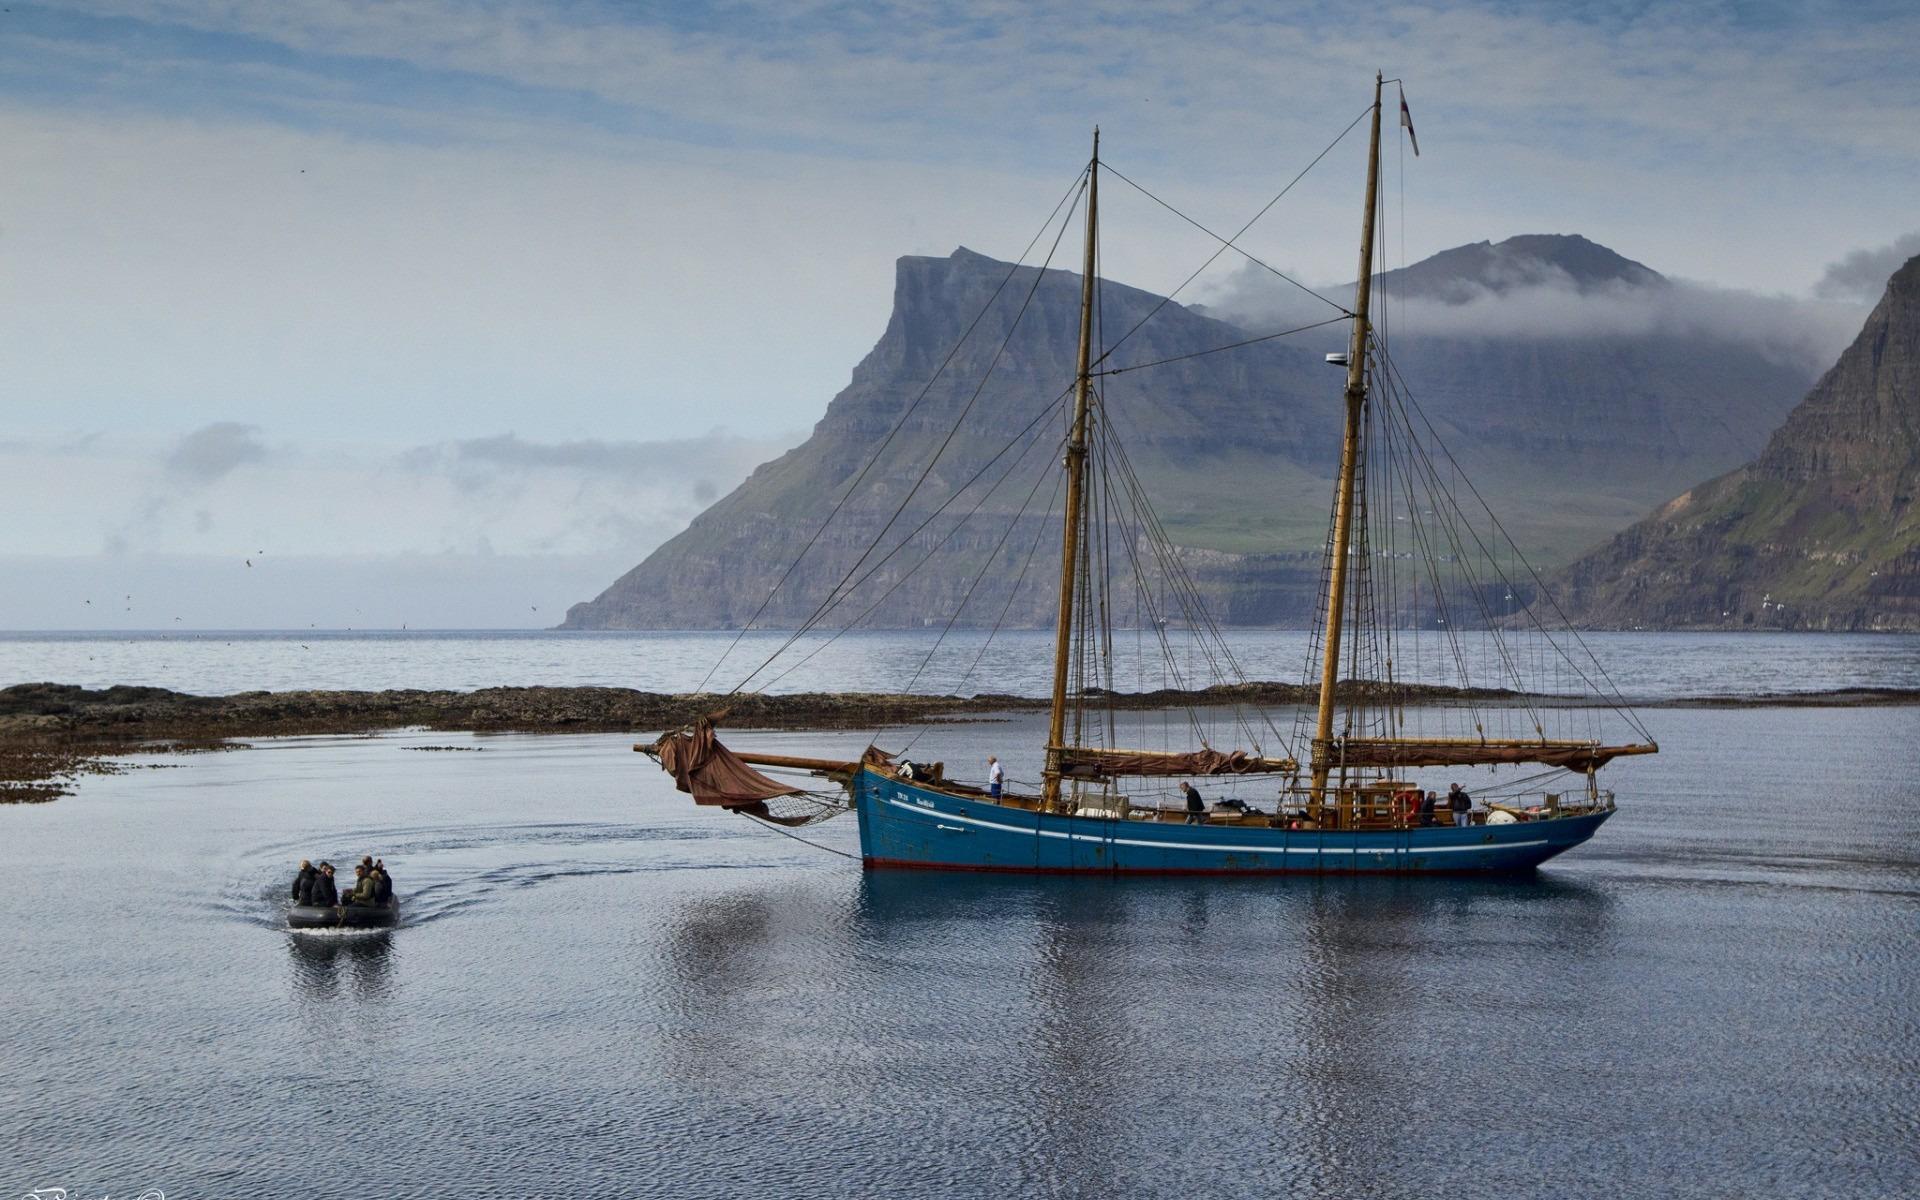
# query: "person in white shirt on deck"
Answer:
x=995 y=777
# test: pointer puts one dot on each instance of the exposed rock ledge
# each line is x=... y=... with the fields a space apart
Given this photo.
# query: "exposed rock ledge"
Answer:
x=51 y=732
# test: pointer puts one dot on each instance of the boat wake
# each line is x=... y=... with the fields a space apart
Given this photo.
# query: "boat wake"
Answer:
x=444 y=871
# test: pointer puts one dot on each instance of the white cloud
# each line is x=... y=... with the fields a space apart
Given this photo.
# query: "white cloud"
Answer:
x=1863 y=274
x=1807 y=334
x=886 y=71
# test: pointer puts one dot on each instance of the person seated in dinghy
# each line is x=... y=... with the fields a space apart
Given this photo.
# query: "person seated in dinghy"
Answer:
x=302 y=892
x=323 y=892
x=382 y=882
x=364 y=887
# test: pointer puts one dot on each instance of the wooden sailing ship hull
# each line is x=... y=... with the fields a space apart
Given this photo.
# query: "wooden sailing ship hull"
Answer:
x=903 y=824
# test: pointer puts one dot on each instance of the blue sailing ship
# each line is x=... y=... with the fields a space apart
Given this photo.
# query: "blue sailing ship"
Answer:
x=1355 y=805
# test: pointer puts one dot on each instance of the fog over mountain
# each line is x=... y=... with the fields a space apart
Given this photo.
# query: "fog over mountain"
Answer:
x=1566 y=287
x=1820 y=531
x=1862 y=274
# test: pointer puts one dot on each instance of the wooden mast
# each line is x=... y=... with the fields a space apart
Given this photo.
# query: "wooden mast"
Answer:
x=1076 y=464
x=1349 y=462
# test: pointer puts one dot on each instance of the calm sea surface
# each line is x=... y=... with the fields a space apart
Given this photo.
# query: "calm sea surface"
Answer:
x=1640 y=664
x=602 y=991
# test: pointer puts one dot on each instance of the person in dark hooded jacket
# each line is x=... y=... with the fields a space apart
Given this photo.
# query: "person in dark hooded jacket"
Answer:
x=324 y=893
x=1196 y=806
x=302 y=892
x=382 y=883
x=1461 y=805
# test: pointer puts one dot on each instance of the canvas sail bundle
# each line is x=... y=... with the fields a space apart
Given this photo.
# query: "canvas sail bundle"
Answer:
x=1088 y=760
x=712 y=774
x=1408 y=752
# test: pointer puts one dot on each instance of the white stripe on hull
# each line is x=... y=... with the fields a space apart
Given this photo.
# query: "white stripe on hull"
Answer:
x=1232 y=848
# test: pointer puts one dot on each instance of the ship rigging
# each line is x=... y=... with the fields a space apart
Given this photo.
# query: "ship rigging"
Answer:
x=1407 y=575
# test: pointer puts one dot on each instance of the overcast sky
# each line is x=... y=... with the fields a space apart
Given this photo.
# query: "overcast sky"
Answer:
x=518 y=287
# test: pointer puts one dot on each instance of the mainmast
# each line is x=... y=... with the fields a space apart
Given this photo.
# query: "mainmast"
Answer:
x=1076 y=464
x=1349 y=465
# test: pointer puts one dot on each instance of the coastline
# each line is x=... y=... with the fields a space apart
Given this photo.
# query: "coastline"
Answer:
x=51 y=734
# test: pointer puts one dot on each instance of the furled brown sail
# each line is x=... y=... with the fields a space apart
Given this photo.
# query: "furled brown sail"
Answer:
x=1088 y=760
x=713 y=774
x=1414 y=752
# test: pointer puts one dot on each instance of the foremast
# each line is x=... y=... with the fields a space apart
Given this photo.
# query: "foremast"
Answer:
x=1390 y=754
x=1076 y=466
x=1356 y=397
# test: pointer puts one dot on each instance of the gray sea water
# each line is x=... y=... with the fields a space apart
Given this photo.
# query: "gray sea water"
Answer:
x=1642 y=665
x=600 y=990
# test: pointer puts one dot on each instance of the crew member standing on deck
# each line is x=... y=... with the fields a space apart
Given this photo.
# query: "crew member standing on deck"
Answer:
x=1196 y=807
x=995 y=777
x=1460 y=803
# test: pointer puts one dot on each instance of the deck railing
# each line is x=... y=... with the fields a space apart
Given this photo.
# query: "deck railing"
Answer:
x=1368 y=810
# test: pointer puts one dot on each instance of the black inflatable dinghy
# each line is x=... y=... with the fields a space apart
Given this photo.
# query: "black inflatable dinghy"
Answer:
x=348 y=916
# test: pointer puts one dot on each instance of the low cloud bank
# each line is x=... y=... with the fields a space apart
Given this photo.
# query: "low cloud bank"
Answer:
x=1862 y=275
x=118 y=502
x=1807 y=334
x=698 y=468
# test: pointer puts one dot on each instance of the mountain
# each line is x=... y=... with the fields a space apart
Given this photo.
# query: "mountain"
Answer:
x=1819 y=531
x=1552 y=260
x=1569 y=436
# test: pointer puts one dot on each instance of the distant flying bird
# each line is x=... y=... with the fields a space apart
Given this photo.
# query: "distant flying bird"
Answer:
x=89 y=602
x=249 y=562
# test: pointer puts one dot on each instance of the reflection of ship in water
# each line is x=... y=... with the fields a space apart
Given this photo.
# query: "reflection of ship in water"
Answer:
x=747 y=988
x=1402 y=982
x=1100 y=1013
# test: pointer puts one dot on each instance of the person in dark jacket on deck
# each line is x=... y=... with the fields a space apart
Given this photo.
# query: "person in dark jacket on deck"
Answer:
x=1461 y=804
x=1196 y=807
x=302 y=892
x=324 y=893
x=1427 y=808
